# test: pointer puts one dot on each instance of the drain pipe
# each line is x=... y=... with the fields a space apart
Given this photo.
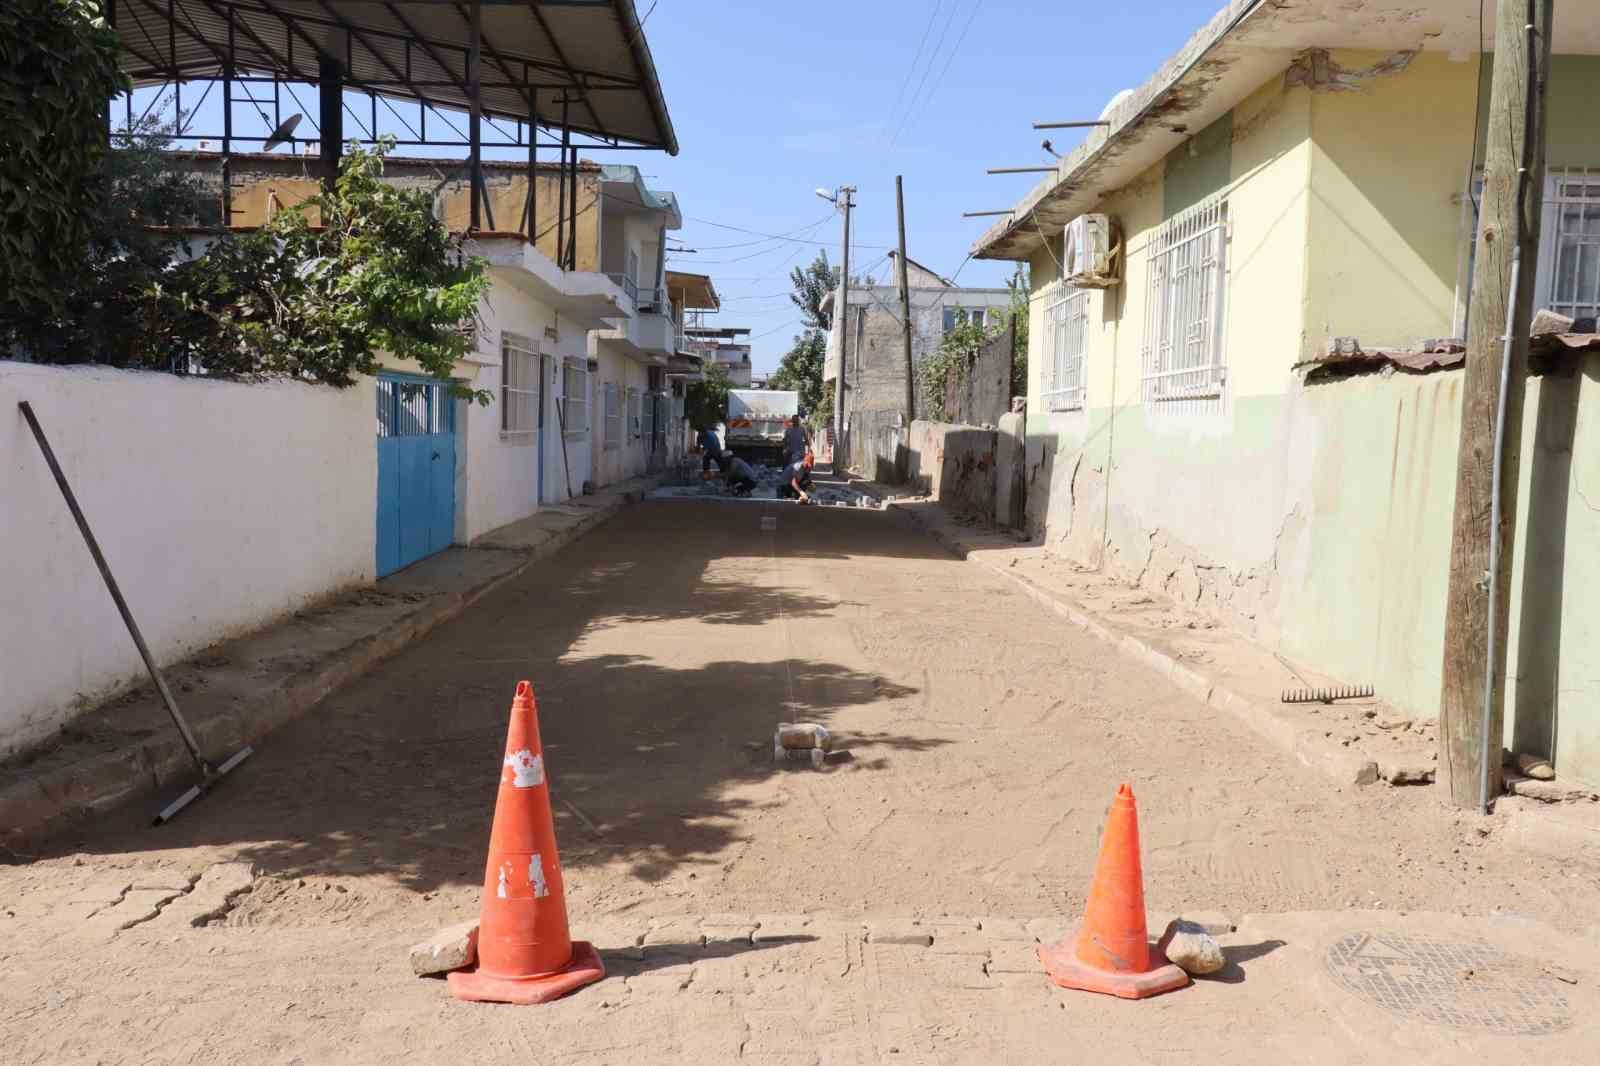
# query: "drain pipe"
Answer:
x=1530 y=118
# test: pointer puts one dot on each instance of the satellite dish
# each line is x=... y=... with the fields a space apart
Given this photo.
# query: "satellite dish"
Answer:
x=282 y=134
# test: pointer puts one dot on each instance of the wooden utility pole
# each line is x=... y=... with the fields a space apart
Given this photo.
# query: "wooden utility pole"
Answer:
x=1477 y=611
x=905 y=305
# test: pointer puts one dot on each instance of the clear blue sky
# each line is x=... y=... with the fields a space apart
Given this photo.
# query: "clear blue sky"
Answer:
x=773 y=100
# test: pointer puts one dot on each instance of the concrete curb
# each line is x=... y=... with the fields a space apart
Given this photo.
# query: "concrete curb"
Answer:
x=1337 y=764
x=46 y=801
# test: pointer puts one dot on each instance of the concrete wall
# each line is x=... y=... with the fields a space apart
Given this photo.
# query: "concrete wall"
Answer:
x=1318 y=517
x=1388 y=166
x=219 y=506
x=876 y=375
x=954 y=464
x=878 y=441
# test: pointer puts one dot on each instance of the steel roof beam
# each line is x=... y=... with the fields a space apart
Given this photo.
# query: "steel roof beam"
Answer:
x=561 y=55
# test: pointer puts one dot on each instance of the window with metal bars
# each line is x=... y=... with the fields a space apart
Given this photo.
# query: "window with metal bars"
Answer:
x=635 y=415
x=575 y=397
x=1183 y=358
x=1569 y=249
x=519 y=384
x=1066 y=339
x=613 y=413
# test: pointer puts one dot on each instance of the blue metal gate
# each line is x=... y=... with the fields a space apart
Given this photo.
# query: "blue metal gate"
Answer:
x=416 y=469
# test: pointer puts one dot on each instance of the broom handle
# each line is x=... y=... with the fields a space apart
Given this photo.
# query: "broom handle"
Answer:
x=111 y=587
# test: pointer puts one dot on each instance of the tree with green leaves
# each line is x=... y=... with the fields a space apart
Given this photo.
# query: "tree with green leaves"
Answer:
x=705 y=402
x=58 y=70
x=378 y=274
x=1018 y=283
x=101 y=309
x=811 y=284
x=801 y=368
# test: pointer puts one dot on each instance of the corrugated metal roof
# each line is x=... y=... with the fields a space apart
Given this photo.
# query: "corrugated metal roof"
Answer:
x=593 y=52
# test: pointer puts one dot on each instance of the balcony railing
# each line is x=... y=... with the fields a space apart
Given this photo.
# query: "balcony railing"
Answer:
x=629 y=287
x=654 y=300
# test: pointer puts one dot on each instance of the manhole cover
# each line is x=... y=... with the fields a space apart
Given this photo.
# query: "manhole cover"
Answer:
x=1462 y=985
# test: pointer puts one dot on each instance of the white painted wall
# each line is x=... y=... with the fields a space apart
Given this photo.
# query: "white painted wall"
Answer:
x=220 y=506
x=611 y=465
x=497 y=474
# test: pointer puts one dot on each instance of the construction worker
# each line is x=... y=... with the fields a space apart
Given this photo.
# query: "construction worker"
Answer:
x=741 y=477
x=710 y=448
x=797 y=478
x=796 y=441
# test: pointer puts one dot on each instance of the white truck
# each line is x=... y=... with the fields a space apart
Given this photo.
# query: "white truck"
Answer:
x=757 y=418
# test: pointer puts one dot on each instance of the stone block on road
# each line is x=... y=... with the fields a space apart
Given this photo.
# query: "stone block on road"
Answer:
x=781 y=927
x=449 y=949
x=898 y=931
x=674 y=936
x=1191 y=947
x=997 y=928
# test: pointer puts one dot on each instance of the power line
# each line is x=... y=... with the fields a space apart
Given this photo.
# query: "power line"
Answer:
x=934 y=91
x=917 y=92
x=915 y=59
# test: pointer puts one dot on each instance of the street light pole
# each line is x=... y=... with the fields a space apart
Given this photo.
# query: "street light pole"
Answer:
x=844 y=333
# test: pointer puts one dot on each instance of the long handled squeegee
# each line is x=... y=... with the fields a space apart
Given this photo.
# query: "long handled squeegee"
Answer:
x=209 y=775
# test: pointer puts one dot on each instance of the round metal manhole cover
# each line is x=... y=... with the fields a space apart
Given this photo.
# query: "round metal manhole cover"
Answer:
x=1461 y=985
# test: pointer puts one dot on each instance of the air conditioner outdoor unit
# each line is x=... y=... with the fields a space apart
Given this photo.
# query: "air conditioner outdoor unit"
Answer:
x=1092 y=253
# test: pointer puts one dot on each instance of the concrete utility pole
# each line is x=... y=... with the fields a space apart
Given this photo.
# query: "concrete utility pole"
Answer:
x=905 y=305
x=1472 y=701
x=842 y=199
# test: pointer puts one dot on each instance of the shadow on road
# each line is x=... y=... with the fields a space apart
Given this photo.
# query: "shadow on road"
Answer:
x=658 y=686
x=1232 y=972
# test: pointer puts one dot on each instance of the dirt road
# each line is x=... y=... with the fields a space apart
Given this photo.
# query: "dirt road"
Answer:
x=986 y=736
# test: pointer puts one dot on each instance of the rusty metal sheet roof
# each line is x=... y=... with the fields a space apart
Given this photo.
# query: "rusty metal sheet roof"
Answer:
x=534 y=53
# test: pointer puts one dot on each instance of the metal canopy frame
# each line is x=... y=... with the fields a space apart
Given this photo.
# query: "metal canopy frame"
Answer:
x=566 y=67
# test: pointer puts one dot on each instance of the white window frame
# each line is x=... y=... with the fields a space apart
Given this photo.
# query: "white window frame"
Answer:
x=1184 y=357
x=613 y=416
x=519 y=386
x=1571 y=195
x=575 y=396
x=1066 y=347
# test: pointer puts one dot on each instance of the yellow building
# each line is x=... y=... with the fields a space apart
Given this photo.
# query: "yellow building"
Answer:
x=1297 y=174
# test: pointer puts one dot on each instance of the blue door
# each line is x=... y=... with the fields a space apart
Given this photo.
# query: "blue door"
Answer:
x=416 y=469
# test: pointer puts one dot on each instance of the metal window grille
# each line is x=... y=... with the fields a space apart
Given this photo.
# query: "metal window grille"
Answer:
x=1066 y=318
x=1183 y=319
x=575 y=397
x=1570 y=249
x=613 y=429
x=519 y=384
x=635 y=416
x=413 y=409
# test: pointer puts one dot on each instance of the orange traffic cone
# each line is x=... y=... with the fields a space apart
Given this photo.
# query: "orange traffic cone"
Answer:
x=525 y=952
x=1110 y=950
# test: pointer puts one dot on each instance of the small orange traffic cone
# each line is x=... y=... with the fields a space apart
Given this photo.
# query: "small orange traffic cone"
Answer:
x=1110 y=950
x=525 y=952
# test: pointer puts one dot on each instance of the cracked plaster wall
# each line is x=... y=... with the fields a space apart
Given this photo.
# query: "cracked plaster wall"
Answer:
x=1318 y=519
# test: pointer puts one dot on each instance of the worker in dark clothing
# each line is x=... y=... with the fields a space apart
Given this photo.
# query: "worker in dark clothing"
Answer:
x=796 y=442
x=710 y=448
x=741 y=477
